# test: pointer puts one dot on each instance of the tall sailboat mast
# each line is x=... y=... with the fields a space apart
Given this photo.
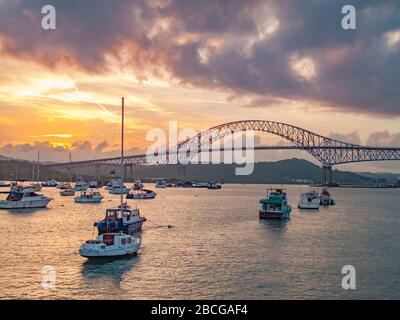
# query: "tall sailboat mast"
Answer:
x=38 y=166
x=122 y=155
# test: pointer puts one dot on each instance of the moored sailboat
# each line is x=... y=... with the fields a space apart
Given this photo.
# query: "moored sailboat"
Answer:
x=119 y=225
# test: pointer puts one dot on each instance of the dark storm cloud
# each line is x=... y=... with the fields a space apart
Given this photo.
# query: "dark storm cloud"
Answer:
x=355 y=70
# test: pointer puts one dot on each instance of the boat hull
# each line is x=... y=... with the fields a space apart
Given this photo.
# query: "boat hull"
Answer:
x=309 y=205
x=274 y=215
x=141 y=196
x=24 y=204
x=94 y=200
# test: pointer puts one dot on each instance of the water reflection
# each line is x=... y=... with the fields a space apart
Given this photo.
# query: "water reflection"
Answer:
x=275 y=224
x=111 y=268
x=25 y=211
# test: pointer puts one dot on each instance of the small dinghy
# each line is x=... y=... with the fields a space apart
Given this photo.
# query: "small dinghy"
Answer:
x=89 y=197
x=141 y=194
x=110 y=245
x=67 y=192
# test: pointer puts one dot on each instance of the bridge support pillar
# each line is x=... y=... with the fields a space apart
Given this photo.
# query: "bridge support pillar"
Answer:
x=327 y=175
x=131 y=171
x=97 y=171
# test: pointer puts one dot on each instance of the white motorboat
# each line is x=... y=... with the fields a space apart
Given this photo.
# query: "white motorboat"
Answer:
x=24 y=198
x=94 y=184
x=309 y=200
x=161 y=184
x=67 y=192
x=89 y=197
x=118 y=190
x=113 y=182
x=110 y=245
x=80 y=185
x=141 y=194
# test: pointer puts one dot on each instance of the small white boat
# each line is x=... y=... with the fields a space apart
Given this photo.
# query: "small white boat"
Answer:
x=24 y=198
x=141 y=194
x=67 y=192
x=50 y=184
x=64 y=185
x=213 y=185
x=138 y=185
x=161 y=184
x=117 y=190
x=326 y=198
x=309 y=200
x=110 y=245
x=94 y=184
x=89 y=197
x=113 y=182
x=36 y=186
x=80 y=185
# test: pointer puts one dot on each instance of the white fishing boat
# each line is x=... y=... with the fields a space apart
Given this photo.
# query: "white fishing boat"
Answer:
x=89 y=197
x=161 y=184
x=141 y=194
x=309 y=200
x=80 y=185
x=110 y=245
x=67 y=192
x=24 y=198
x=138 y=185
x=118 y=189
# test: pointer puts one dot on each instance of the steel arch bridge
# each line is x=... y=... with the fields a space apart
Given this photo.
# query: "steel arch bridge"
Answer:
x=326 y=150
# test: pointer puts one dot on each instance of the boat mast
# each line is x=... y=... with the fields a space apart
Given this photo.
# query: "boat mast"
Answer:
x=38 y=166
x=122 y=156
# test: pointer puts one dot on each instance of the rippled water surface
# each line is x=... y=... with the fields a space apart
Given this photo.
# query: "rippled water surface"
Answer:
x=218 y=248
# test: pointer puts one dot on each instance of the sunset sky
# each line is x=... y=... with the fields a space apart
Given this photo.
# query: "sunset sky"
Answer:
x=200 y=63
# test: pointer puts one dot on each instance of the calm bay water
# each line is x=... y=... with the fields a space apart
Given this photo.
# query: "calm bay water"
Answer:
x=217 y=249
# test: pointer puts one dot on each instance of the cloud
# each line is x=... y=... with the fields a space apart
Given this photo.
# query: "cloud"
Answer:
x=384 y=139
x=282 y=49
x=352 y=137
x=80 y=150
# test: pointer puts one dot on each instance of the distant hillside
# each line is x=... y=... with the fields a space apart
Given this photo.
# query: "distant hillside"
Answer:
x=285 y=171
x=22 y=170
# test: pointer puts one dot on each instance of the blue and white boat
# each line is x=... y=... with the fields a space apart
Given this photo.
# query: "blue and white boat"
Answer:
x=275 y=205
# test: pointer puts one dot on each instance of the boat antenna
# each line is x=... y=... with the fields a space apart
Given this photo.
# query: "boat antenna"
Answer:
x=122 y=154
